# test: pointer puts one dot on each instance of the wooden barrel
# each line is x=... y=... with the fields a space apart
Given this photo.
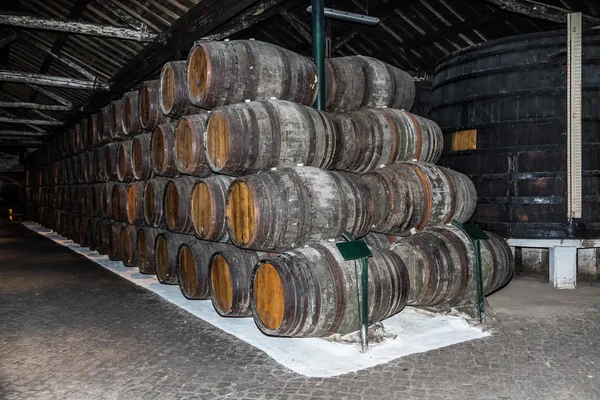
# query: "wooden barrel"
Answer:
x=117 y=131
x=90 y=172
x=220 y=73
x=74 y=226
x=80 y=136
x=87 y=199
x=119 y=201
x=190 y=158
x=312 y=291
x=131 y=114
x=48 y=196
x=95 y=201
x=83 y=168
x=418 y=195
x=103 y=125
x=173 y=92
x=146 y=238
x=178 y=210
x=83 y=232
x=46 y=217
x=135 y=203
x=432 y=273
x=66 y=221
x=76 y=200
x=466 y=195
x=141 y=157
x=193 y=261
x=124 y=163
x=79 y=167
x=111 y=155
x=40 y=219
x=208 y=202
x=41 y=198
x=92 y=131
x=441 y=266
x=497 y=263
x=99 y=162
x=92 y=224
x=54 y=193
x=129 y=245
x=230 y=272
x=260 y=135
x=102 y=229
x=166 y=250
x=89 y=131
x=114 y=241
x=357 y=82
x=149 y=106
x=52 y=219
x=106 y=200
x=163 y=144
x=373 y=138
x=282 y=209
x=154 y=193
x=71 y=203
x=56 y=174
x=59 y=218
x=60 y=197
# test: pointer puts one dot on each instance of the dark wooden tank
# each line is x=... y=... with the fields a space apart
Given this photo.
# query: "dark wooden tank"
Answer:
x=502 y=108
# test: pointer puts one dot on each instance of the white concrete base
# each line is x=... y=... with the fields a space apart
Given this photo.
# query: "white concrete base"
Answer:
x=563 y=267
x=563 y=257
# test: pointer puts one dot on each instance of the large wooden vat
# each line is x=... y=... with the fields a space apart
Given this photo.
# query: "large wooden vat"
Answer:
x=502 y=107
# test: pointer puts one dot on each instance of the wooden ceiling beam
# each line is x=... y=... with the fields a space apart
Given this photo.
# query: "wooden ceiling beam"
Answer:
x=12 y=115
x=24 y=121
x=48 y=80
x=538 y=10
x=34 y=106
x=21 y=143
x=15 y=133
x=76 y=27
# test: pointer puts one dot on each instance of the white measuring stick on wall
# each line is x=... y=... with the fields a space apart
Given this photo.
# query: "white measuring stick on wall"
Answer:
x=574 y=101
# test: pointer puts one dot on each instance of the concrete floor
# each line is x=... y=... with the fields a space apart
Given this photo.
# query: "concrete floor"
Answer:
x=72 y=330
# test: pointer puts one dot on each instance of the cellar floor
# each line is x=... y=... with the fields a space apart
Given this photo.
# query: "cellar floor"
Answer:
x=71 y=330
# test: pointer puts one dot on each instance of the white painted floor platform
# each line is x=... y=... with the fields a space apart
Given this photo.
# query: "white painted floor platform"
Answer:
x=416 y=331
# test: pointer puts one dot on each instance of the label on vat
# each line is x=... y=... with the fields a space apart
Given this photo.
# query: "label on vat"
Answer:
x=464 y=140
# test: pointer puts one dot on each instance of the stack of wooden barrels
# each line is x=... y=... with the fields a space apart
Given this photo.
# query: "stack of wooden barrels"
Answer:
x=219 y=177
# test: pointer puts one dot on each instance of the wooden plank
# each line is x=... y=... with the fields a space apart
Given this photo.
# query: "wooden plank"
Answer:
x=48 y=80
x=34 y=106
x=82 y=28
x=42 y=122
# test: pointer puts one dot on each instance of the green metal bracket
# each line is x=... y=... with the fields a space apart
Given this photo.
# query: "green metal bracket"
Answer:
x=354 y=250
x=358 y=250
x=476 y=234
